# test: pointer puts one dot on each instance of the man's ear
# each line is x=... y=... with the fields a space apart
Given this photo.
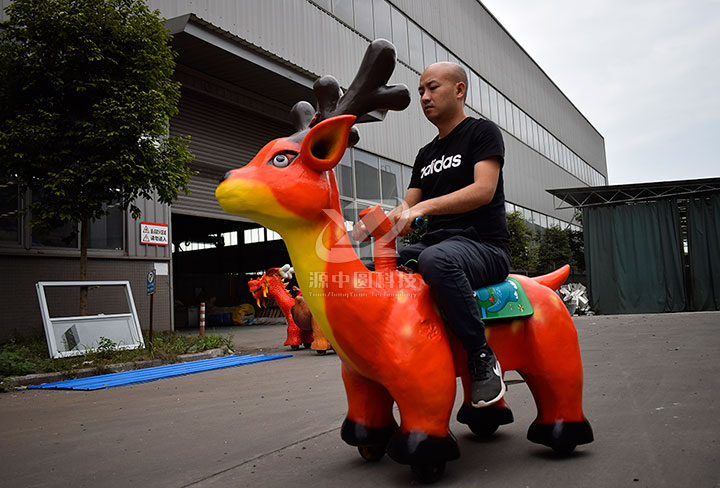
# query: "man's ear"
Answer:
x=460 y=89
x=324 y=145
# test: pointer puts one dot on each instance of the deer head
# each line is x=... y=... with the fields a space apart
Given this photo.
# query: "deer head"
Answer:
x=290 y=182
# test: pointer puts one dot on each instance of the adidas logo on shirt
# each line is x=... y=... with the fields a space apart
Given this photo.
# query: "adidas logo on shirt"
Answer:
x=440 y=164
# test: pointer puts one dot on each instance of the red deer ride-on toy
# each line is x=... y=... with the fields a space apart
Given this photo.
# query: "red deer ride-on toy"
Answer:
x=384 y=325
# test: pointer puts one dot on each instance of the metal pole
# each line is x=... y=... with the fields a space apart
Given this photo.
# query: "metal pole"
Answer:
x=202 y=319
x=152 y=299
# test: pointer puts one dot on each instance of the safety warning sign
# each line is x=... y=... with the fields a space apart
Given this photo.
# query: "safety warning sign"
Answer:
x=154 y=234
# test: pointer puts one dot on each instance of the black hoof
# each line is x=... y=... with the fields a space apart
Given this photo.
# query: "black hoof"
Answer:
x=484 y=421
x=418 y=448
x=372 y=454
x=358 y=435
x=561 y=436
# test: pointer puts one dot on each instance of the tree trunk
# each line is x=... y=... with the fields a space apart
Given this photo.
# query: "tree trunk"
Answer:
x=84 y=227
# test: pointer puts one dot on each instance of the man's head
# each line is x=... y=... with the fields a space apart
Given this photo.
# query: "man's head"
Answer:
x=442 y=88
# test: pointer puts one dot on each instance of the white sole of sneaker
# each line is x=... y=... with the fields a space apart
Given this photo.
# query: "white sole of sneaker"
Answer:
x=482 y=404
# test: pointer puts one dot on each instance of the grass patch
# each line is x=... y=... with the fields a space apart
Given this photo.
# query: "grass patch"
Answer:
x=22 y=356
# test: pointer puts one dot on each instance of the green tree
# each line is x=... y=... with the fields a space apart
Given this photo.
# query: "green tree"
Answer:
x=85 y=103
x=553 y=249
x=522 y=255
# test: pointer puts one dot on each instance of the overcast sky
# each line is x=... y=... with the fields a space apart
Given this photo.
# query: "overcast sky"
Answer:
x=645 y=73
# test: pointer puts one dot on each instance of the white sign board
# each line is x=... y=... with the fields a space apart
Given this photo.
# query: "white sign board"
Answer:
x=154 y=234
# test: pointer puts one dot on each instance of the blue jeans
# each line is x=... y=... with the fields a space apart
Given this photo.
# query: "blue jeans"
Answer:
x=453 y=268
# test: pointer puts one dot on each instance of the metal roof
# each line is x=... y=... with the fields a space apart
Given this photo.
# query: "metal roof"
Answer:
x=208 y=49
x=592 y=196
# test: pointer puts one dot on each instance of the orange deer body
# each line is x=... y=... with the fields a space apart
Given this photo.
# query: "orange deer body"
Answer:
x=384 y=325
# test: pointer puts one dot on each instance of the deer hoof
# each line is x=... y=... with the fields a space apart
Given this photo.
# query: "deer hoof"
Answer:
x=372 y=453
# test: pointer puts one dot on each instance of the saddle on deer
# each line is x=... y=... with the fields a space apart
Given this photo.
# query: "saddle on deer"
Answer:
x=384 y=325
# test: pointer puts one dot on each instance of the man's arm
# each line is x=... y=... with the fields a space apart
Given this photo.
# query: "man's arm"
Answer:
x=475 y=195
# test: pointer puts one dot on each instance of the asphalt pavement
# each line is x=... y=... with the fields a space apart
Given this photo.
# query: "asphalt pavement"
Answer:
x=651 y=394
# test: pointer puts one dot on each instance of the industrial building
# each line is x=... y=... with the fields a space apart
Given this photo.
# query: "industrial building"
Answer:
x=243 y=65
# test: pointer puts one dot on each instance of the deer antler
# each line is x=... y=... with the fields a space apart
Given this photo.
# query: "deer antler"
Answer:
x=367 y=92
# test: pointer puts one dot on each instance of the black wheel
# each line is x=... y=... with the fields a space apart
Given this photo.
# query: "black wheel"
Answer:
x=306 y=345
x=321 y=352
x=484 y=429
x=294 y=348
x=564 y=449
x=371 y=454
x=428 y=472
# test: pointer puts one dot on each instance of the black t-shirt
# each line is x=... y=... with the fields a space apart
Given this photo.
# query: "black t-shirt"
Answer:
x=448 y=164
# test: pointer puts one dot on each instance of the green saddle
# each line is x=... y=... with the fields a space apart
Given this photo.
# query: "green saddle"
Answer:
x=504 y=300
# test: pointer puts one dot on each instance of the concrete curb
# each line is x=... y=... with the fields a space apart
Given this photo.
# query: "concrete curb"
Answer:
x=41 y=378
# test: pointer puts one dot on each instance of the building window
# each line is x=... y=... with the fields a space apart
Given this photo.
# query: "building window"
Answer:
x=400 y=35
x=63 y=236
x=391 y=182
x=252 y=236
x=442 y=53
x=474 y=90
x=429 y=55
x=381 y=14
x=364 y=18
x=344 y=175
x=9 y=215
x=407 y=176
x=367 y=175
x=343 y=9
x=415 y=45
x=107 y=231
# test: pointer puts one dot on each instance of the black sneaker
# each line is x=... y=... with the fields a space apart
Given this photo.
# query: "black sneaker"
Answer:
x=487 y=384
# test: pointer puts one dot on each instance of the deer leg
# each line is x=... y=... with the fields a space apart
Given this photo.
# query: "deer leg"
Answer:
x=425 y=407
x=557 y=389
x=369 y=423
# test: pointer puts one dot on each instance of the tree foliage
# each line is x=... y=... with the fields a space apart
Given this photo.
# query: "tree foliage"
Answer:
x=85 y=104
x=544 y=249
x=522 y=255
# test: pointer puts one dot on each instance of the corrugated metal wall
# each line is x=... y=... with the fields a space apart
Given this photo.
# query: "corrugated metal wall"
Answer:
x=223 y=137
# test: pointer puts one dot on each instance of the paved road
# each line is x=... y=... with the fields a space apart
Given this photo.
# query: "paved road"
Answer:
x=651 y=394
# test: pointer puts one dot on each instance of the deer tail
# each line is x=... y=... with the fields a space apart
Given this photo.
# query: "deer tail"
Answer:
x=555 y=279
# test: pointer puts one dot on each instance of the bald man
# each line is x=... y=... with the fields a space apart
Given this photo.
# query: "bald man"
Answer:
x=457 y=183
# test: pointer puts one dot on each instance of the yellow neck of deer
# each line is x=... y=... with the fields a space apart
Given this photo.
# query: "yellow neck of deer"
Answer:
x=319 y=251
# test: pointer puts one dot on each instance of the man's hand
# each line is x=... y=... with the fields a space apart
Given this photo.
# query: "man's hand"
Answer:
x=360 y=232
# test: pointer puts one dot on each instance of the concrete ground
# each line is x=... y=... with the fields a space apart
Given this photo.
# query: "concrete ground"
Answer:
x=651 y=393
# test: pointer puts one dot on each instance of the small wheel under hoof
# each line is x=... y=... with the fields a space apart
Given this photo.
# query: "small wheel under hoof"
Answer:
x=371 y=454
x=294 y=347
x=483 y=429
x=321 y=352
x=428 y=472
x=306 y=345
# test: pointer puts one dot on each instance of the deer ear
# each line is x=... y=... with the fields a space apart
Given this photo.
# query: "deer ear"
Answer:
x=324 y=145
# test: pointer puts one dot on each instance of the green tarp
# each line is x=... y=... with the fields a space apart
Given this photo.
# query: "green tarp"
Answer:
x=634 y=258
x=704 y=252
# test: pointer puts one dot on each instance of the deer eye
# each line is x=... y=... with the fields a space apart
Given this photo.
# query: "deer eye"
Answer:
x=283 y=159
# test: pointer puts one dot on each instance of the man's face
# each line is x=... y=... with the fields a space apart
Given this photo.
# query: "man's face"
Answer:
x=438 y=93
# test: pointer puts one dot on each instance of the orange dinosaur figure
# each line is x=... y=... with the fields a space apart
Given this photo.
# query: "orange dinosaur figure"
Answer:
x=383 y=324
x=271 y=285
